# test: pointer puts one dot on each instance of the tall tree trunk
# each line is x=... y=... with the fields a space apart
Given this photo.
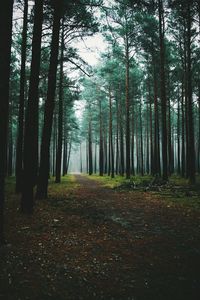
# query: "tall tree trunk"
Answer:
x=5 y=58
x=54 y=144
x=156 y=158
x=20 y=133
x=147 y=139
x=101 y=154
x=10 y=142
x=42 y=187
x=95 y=157
x=178 y=137
x=191 y=148
x=137 y=146
x=151 y=130
x=117 y=140
x=31 y=123
x=121 y=141
x=81 y=160
x=60 y=115
x=68 y=156
x=183 y=131
x=141 y=142
x=105 y=152
x=169 y=139
x=132 y=146
x=127 y=111
x=111 y=136
x=90 y=156
x=163 y=90
x=198 y=151
x=64 y=157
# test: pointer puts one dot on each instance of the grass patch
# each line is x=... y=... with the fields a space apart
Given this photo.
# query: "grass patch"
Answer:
x=181 y=181
x=67 y=185
x=107 y=181
x=60 y=190
x=118 y=181
x=180 y=192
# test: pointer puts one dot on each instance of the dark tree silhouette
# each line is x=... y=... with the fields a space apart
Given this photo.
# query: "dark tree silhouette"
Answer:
x=49 y=104
x=31 y=123
x=20 y=135
x=6 y=12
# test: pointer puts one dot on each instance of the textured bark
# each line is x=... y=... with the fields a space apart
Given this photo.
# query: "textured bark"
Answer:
x=133 y=144
x=101 y=154
x=20 y=133
x=183 y=132
x=10 y=149
x=81 y=161
x=68 y=156
x=163 y=91
x=198 y=151
x=128 y=171
x=105 y=152
x=121 y=149
x=60 y=115
x=31 y=123
x=156 y=158
x=178 y=138
x=111 y=136
x=5 y=58
x=42 y=187
x=147 y=139
x=90 y=156
x=141 y=144
x=169 y=139
x=191 y=147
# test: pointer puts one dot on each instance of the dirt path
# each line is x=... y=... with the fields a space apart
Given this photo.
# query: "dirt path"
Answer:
x=98 y=243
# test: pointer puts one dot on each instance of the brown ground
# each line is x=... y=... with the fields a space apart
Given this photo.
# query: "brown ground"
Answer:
x=98 y=243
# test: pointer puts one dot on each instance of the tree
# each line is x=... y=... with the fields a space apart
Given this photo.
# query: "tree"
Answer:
x=20 y=134
x=163 y=89
x=5 y=58
x=31 y=123
x=43 y=176
x=60 y=117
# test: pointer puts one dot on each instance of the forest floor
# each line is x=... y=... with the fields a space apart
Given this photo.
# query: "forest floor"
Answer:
x=88 y=241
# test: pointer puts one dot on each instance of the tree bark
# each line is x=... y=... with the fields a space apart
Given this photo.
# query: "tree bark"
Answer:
x=101 y=154
x=128 y=173
x=191 y=147
x=178 y=137
x=5 y=58
x=60 y=115
x=31 y=123
x=20 y=133
x=90 y=156
x=42 y=187
x=111 y=136
x=163 y=91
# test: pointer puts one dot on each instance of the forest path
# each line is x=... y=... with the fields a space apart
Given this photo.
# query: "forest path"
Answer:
x=92 y=242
